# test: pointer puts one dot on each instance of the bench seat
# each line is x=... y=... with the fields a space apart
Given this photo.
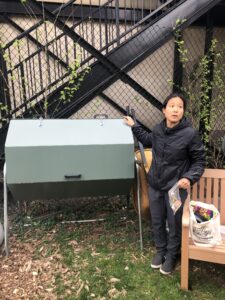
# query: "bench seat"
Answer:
x=209 y=189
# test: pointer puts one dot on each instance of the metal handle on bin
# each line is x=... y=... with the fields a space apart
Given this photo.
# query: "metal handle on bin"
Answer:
x=101 y=116
x=68 y=176
x=131 y=112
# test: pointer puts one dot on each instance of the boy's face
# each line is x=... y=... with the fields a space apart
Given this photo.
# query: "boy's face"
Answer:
x=173 y=111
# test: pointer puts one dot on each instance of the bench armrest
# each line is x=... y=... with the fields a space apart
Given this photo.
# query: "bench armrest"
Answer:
x=186 y=214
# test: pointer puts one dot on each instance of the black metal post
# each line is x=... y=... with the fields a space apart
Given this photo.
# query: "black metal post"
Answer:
x=117 y=22
x=205 y=104
x=177 y=67
x=4 y=87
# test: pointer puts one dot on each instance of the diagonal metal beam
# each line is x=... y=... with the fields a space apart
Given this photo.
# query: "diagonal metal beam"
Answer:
x=106 y=62
x=136 y=49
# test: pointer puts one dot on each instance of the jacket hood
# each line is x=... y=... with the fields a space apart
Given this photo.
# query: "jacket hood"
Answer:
x=183 y=124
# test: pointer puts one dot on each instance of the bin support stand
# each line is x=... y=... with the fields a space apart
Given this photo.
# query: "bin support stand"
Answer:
x=139 y=205
x=6 y=209
x=5 y=212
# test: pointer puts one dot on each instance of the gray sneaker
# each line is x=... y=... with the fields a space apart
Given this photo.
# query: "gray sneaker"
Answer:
x=168 y=266
x=157 y=261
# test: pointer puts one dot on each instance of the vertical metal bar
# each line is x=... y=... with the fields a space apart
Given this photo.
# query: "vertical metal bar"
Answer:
x=22 y=74
x=30 y=72
x=46 y=55
x=106 y=29
x=18 y=80
x=117 y=22
x=92 y=27
x=60 y=57
x=73 y=22
x=12 y=82
x=112 y=22
x=5 y=212
x=28 y=81
x=54 y=46
x=208 y=43
x=125 y=17
x=40 y=71
x=109 y=17
x=178 y=68
x=83 y=54
x=100 y=25
x=4 y=84
x=34 y=73
x=133 y=11
x=57 y=53
x=139 y=207
x=39 y=64
x=66 y=48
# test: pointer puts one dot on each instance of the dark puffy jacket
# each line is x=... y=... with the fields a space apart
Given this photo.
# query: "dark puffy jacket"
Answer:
x=177 y=153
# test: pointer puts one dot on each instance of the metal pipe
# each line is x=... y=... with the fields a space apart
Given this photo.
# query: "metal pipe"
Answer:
x=5 y=212
x=139 y=206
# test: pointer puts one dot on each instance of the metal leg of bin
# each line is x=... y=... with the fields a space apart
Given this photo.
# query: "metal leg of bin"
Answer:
x=128 y=202
x=139 y=206
x=5 y=212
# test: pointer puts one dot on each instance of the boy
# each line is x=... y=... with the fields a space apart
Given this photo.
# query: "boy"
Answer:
x=178 y=156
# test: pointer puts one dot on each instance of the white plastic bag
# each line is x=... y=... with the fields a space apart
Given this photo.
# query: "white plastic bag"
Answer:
x=204 y=224
x=174 y=198
x=222 y=232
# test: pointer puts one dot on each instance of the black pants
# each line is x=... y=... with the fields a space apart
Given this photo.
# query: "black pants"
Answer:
x=167 y=243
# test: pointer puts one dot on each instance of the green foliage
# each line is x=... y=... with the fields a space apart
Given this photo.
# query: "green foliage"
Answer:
x=203 y=85
x=180 y=43
x=74 y=82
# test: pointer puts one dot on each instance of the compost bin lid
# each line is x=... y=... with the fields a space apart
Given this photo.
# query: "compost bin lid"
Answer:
x=48 y=132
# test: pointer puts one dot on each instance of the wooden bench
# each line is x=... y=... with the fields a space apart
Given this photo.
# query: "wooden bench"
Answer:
x=209 y=189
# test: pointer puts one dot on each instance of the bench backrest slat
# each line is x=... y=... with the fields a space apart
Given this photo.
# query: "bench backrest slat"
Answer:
x=202 y=188
x=215 y=198
x=211 y=189
x=194 y=194
x=222 y=203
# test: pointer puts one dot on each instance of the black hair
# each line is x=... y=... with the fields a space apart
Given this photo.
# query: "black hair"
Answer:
x=174 y=95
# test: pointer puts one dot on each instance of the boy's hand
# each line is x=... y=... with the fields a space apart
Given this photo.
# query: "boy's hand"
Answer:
x=128 y=121
x=184 y=183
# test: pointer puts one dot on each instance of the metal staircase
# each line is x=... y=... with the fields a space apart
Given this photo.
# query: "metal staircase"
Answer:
x=108 y=39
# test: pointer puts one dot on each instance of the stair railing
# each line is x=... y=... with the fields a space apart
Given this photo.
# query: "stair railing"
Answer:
x=37 y=73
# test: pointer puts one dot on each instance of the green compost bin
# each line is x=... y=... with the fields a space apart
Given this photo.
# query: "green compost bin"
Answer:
x=69 y=158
